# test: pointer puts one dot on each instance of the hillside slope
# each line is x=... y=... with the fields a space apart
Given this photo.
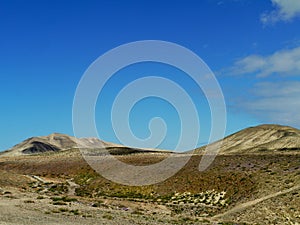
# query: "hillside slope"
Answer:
x=260 y=139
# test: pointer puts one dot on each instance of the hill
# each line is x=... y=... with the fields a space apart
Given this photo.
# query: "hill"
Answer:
x=61 y=142
x=260 y=139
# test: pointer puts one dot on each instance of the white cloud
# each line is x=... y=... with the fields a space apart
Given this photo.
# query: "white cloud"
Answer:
x=286 y=10
x=283 y=62
x=275 y=102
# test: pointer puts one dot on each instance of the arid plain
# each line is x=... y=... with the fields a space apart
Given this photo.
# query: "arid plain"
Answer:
x=255 y=179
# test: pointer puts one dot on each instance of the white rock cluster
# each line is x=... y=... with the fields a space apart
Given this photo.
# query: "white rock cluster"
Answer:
x=210 y=197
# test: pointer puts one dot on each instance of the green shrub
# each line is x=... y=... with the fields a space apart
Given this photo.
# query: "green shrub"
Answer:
x=59 y=203
x=107 y=216
x=64 y=199
x=63 y=209
x=75 y=211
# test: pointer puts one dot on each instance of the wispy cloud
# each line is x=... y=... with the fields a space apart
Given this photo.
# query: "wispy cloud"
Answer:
x=275 y=102
x=285 y=10
x=284 y=62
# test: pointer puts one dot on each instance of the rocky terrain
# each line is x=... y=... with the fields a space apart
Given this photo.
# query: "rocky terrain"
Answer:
x=255 y=180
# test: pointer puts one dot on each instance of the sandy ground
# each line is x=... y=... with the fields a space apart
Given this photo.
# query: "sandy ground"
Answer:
x=25 y=208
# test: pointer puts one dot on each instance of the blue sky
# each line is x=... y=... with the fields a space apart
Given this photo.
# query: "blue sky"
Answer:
x=253 y=47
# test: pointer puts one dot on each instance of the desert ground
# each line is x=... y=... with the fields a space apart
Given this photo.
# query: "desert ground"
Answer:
x=59 y=187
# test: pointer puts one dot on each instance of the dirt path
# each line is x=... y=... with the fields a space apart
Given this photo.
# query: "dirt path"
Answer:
x=72 y=185
x=36 y=178
x=246 y=205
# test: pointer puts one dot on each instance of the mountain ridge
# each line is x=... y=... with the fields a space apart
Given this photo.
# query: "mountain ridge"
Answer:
x=55 y=142
x=264 y=138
